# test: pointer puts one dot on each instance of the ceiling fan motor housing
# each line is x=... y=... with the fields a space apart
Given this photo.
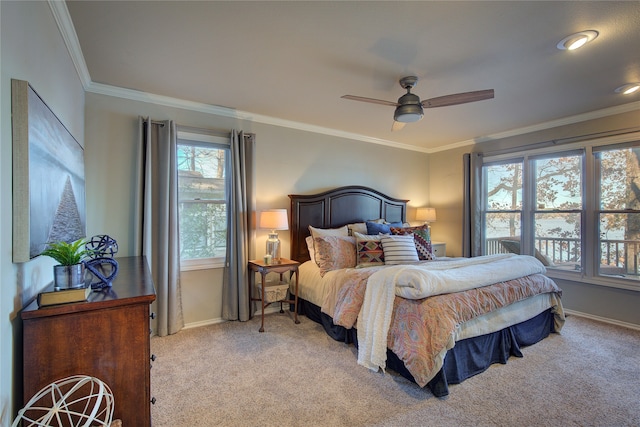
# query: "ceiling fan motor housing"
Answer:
x=409 y=109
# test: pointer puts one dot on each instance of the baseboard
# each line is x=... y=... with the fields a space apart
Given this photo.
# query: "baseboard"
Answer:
x=603 y=319
x=268 y=310
x=204 y=323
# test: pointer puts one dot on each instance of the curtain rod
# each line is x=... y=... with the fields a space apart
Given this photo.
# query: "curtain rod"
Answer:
x=198 y=130
x=559 y=141
x=213 y=132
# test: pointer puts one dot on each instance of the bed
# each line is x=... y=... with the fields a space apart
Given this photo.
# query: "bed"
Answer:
x=435 y=321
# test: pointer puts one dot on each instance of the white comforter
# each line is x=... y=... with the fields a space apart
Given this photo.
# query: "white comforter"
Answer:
x=423 y=280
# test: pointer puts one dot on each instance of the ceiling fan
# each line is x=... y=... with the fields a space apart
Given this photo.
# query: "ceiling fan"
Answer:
x=409 y=107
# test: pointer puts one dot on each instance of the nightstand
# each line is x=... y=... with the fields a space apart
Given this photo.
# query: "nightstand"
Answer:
x=439 y=249
x=285 y=265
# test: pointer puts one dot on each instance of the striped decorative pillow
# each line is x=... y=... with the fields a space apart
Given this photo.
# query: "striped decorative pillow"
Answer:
x=422 y=237
x=399 y=249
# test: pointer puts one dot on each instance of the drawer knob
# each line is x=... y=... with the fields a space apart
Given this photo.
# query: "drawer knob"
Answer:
x=153 y=400
x=153 y=357
x=152 y=315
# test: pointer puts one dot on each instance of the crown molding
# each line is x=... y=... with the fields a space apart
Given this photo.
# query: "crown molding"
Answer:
x=625 y=108
x=135 y=95
x=65 y=24
x=68 y=31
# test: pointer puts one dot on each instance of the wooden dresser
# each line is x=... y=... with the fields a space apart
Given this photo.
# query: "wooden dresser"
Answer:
x=107 y=337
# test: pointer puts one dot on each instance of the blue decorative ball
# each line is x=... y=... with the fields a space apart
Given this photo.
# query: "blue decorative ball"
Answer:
x=101 y=246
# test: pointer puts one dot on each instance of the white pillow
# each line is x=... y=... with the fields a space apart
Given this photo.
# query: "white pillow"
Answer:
x=357 y=227
x=310 y=247
x=324 y=232
x=399 y=249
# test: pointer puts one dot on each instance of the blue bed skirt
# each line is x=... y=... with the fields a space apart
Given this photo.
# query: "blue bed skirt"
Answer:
x=469 y=357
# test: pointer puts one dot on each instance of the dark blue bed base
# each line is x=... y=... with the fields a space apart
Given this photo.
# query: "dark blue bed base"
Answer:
x=469 y=357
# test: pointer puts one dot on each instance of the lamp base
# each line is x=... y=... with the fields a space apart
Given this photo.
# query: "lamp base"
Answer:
x=273 y=247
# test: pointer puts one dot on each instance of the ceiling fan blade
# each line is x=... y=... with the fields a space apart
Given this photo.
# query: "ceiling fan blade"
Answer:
x=397 y=126
x=458 y=98
x=371 y=100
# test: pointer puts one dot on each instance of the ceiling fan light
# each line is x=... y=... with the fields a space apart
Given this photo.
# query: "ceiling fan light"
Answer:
x=408 y=113
x=577 y=40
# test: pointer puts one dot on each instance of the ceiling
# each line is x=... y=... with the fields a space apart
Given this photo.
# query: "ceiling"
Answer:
x=290 y=62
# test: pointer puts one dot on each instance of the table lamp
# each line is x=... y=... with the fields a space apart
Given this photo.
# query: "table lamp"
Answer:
x=273 y=219
x=426 y=215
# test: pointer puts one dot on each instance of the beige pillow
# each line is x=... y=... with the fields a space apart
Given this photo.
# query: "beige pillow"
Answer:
x=335 y=252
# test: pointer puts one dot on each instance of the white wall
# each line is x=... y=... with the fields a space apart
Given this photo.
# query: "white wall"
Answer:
x=31 y=49
x=289 y=162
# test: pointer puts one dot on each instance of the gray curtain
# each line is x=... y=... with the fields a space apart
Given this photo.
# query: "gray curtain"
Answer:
x=156 y=219
x=473 y=229
x=241 y=229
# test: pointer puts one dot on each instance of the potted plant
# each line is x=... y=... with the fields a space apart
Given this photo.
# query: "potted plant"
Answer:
x=70 y=272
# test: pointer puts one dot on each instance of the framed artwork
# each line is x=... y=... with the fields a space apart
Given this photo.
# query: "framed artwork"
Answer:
x=48 y=176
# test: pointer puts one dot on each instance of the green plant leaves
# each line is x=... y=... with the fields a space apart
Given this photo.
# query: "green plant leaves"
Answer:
x=66 y=253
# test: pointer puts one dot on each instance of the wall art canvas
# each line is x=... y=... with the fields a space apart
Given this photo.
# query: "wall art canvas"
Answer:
x=48 y=176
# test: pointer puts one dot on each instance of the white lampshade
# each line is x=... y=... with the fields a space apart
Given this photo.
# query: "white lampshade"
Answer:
x=274 y=219
x=426 y=214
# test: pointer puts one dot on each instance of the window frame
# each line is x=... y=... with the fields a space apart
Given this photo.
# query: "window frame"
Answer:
x=484 y=203
x=598 y=211
x=533 y=204
x=590 y=208
x=202 y=138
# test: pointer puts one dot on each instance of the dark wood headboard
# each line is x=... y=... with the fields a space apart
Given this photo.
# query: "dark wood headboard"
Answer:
x=338 y=207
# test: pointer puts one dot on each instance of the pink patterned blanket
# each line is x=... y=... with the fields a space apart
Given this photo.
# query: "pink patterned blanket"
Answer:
x=423 y=330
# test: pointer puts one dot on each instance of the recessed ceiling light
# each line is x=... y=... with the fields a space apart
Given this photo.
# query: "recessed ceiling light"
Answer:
x=628 y=89
x=574 y=41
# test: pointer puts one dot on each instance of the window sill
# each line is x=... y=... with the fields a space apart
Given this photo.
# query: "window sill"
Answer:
x=203 y=264
x=612 y=282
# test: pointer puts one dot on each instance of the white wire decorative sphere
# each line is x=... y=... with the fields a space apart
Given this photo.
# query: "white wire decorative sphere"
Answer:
x=77 y=401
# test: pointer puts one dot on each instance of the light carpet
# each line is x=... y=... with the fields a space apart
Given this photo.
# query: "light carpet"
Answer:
x=229 y=374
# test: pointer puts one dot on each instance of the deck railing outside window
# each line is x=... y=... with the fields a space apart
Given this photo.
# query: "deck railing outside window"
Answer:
x=618 y=257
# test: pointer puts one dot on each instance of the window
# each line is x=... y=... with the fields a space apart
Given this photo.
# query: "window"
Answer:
x=202 y=196
x=503 y=213
x=576 y=210
x=557 y=214
x=618 y=191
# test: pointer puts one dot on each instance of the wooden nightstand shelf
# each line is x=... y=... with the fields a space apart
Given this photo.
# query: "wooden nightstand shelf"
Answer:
x=285 y=265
